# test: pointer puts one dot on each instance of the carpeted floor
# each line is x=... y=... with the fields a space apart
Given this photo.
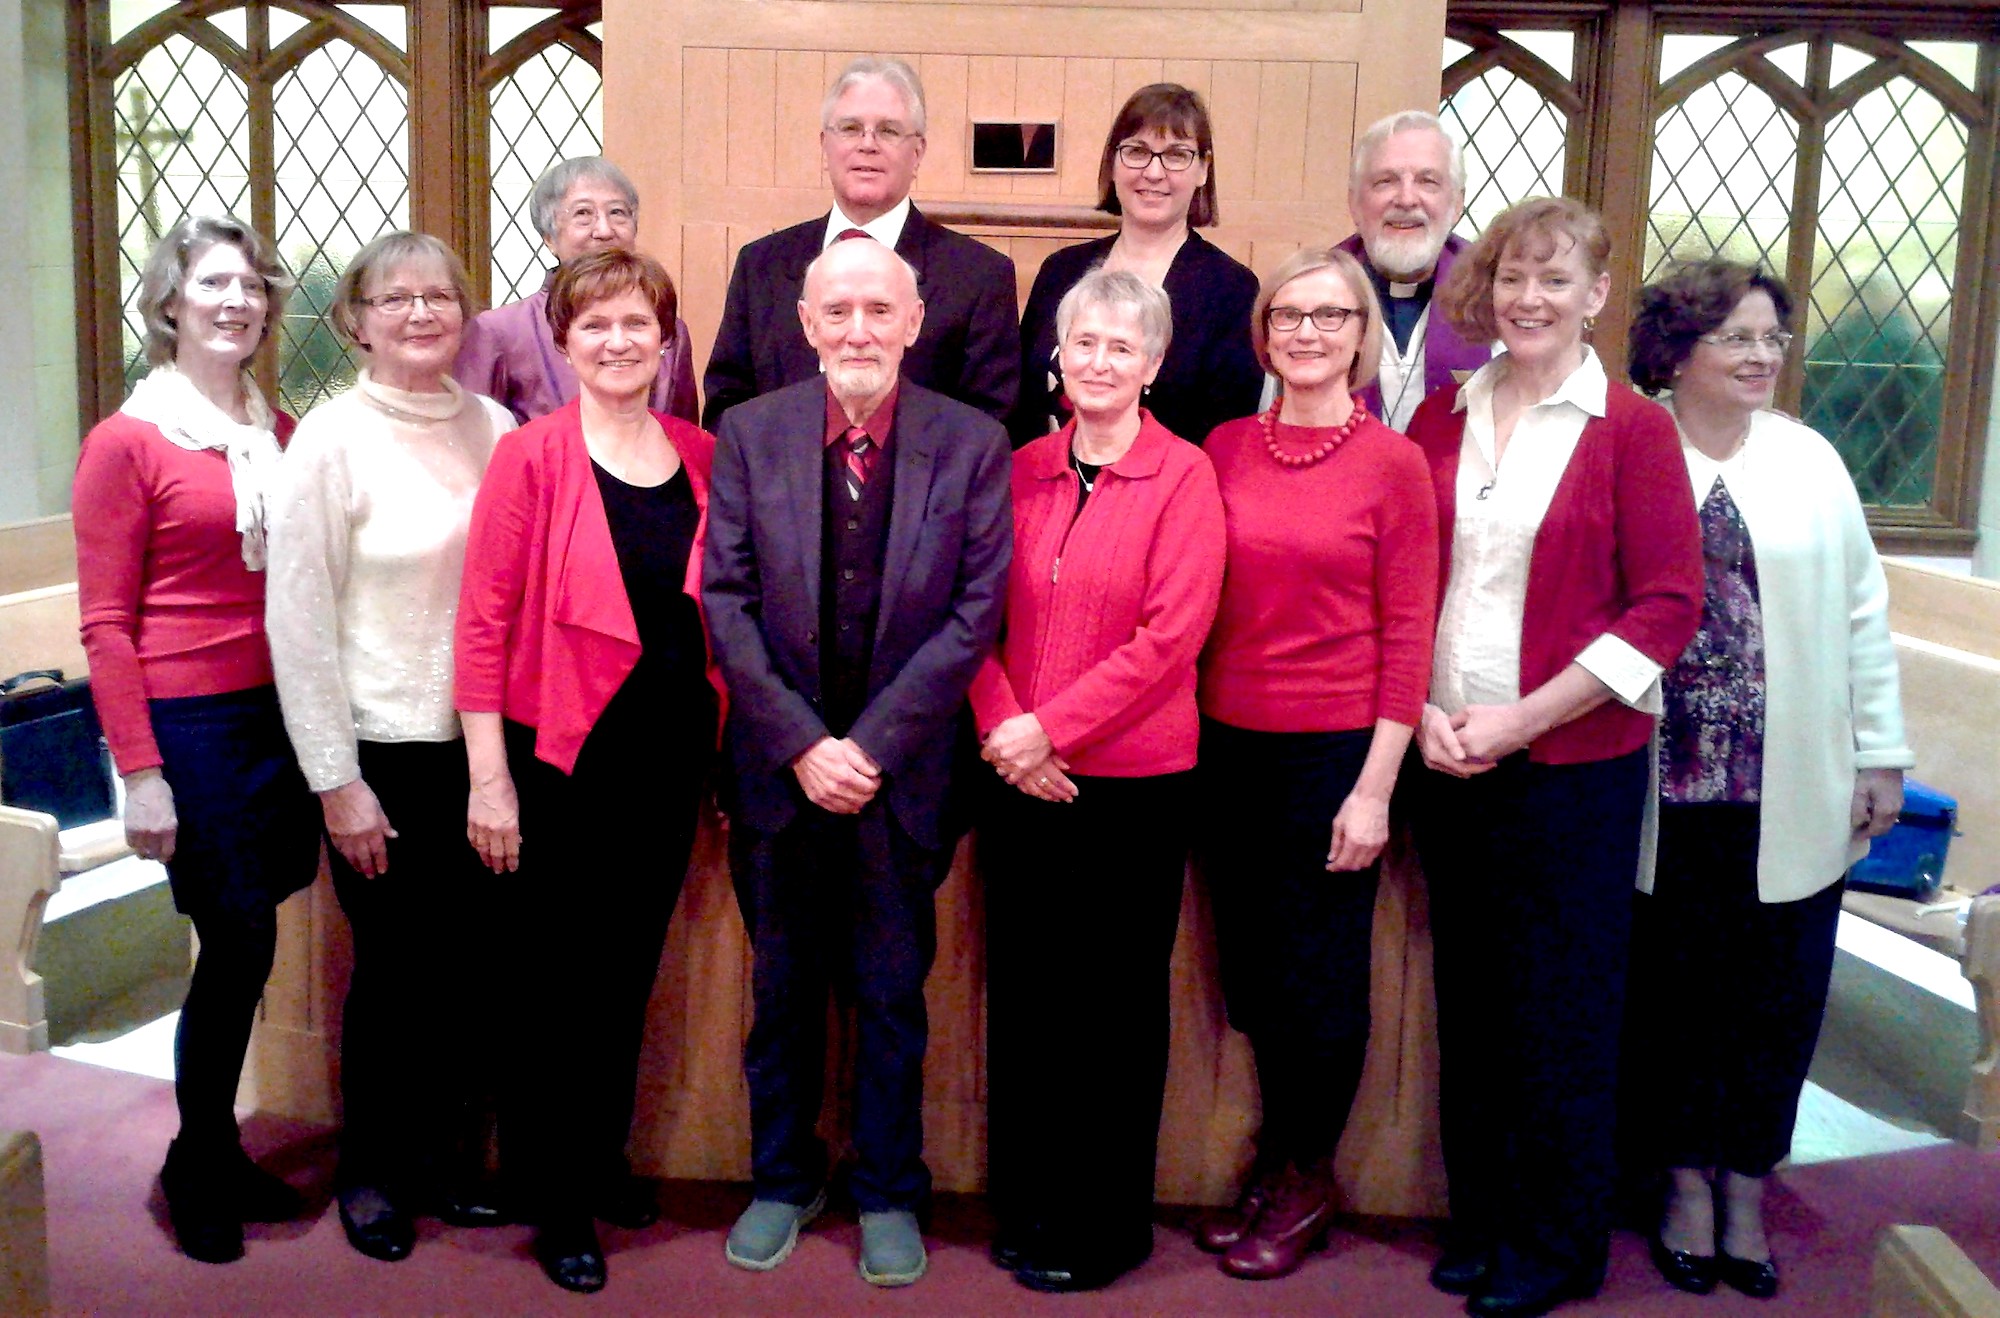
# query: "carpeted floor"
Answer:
x=104 y=1133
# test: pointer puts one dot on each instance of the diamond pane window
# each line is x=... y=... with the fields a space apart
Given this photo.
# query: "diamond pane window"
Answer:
x=1878 y=317
x=180 y=121
x=1514 y=139
x=342 y=178
x=1723 y=161
x=547 y=110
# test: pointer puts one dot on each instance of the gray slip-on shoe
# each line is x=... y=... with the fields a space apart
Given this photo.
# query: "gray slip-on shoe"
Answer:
x=892 y=1248
x=764 y=1236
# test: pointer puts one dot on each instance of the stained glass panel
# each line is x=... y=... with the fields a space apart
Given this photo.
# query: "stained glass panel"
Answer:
x=549 y=109
x=1514 y=142
x=1723 y=164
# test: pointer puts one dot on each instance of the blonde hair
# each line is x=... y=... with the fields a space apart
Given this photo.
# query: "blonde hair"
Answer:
x=1367 y=361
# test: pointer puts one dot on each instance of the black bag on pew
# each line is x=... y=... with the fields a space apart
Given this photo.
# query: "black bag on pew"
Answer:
x=52 y=752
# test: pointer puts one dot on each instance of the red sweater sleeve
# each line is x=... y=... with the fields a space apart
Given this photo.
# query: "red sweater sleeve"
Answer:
x=497 y=546
x=1659 y=539
x=1183 y=586
x=1406 y=591
x=113 y=515
x=992 y=696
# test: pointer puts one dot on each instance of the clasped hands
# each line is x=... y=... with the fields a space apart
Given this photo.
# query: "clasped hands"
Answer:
x=1474 y=739
x=837 y=775
x=1021 y=752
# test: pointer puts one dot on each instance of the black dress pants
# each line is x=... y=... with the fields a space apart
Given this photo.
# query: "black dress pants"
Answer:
x=420 y=1032
x=1082 y=903
x=1294 y=940
x=604 y=851
x=1531 y=868
x=1726 y=999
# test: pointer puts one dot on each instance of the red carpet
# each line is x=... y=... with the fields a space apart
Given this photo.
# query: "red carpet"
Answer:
x=104 y=1133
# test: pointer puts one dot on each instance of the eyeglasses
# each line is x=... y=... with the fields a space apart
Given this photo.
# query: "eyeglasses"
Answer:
x=1137 y=155
x=1739 y=345
x=888 y=133
x=584 y=218
x=402 y=304
x=1329 y=319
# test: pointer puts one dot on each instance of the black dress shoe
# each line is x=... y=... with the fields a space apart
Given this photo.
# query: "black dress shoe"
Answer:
x=200 y=1207
x=1012 y=1247
x=375 y=1226
x=469 y=1207
x=1683 y=1270
x=632 y=1202
x=1529 y=1297
x=571 y=1257
x=1060 y=1273
x=1757 y=1280
x=1461 y=1268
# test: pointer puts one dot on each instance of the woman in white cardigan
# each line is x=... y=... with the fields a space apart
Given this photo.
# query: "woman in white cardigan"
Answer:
x=1781 y=754
x=367 y=546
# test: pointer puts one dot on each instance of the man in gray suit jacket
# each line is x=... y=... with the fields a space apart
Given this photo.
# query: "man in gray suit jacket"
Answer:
x=859 y=533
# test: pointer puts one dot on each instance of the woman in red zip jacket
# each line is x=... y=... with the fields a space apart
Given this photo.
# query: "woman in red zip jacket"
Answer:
x=590 y=707
x=1087 y=712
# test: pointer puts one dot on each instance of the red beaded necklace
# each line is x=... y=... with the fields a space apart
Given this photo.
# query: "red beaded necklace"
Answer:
x=1326 y=446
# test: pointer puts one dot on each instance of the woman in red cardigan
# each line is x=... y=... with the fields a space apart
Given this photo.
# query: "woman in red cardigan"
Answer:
x=1087 y=712
x=1572 y=576
x=590 y=712
x=1310 y=689
x=170 y=554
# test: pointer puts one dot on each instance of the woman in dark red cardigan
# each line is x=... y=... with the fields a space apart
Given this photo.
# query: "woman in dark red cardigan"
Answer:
x=590 y=708
x=1087 y=712
x=1310 y=689
x=170 y=554
x=1572 y=576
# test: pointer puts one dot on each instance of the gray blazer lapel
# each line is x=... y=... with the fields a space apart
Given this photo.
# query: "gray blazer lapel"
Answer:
x=801 y=454
x=916 y=467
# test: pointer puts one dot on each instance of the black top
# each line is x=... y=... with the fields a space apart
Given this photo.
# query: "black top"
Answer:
x=1086 y=479
x=1401 y=314
x=854 y=536
x=652 y=530
x=1210 y=374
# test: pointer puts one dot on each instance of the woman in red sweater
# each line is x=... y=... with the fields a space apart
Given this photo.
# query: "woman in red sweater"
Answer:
x=1572 y=571
x=590 y=709
x=169 y=512
x=1087 y=712
x=1311 y=686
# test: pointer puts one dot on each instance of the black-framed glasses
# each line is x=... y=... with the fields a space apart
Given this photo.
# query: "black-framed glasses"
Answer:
x=1738 y=344
x=1139 y=156
x=1327 y=318
x=400 y=303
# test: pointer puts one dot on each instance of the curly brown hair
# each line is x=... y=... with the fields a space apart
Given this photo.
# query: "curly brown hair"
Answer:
x=1537 y=226
x=595 y=276
x=1692 y=300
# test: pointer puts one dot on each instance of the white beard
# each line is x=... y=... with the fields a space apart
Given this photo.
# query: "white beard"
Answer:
x=1401 y=258
x=857 y=381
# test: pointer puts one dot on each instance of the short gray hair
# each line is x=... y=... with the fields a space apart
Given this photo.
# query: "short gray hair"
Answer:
x=166 y=271
x=1403 y=121
x=890 y=70
x=383 y=256
x=1121 y=290
x=555 y=184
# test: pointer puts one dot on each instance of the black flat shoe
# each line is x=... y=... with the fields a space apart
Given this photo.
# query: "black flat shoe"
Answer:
x=632 y=1202
x=375 y=1226
x=1757 y=1280
x=1460 y=1270
x=1684 y=1271
x=262 y=1196
x=200 y=1209
x=571 y=1257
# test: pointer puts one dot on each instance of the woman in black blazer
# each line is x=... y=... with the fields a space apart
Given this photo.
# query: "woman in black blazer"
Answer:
x=1157 y=175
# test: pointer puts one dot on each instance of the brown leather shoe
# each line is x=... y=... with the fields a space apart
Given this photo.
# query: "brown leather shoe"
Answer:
x=1294 y=1223
x=1220 y=1230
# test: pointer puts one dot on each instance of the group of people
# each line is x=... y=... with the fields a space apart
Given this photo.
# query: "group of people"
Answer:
x=508 y=612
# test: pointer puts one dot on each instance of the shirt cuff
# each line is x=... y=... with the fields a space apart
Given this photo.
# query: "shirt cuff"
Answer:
x=1632 y=677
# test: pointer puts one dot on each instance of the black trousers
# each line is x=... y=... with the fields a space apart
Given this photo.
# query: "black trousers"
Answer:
x=420 y=1035
x=1294 y=940
x=1531 y=869
x=248 y=838
x=1082 y=903
x=604 y=851
x=843 y=904
x=1726 y=999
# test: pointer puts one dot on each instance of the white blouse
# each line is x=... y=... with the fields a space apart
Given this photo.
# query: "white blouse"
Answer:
x=368 y=527
x=1477 y=660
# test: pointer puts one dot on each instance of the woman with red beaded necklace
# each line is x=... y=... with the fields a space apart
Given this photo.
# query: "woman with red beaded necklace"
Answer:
x=1311 y=686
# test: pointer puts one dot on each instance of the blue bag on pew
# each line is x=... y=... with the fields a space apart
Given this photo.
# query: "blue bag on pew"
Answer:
x=1908 y=860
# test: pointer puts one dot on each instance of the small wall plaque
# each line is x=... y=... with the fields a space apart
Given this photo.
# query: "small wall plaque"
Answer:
x=1013 y=148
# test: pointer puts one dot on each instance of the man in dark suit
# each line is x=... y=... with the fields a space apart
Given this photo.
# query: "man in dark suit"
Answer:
x=872 y=134
x=859 y=533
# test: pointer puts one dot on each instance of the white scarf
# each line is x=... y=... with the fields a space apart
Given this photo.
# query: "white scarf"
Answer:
x=169 y=400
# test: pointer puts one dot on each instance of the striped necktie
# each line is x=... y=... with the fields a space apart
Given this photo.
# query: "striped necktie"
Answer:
x=861 y=452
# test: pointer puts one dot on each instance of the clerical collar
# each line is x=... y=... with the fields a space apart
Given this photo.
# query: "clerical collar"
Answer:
x=1406 y=290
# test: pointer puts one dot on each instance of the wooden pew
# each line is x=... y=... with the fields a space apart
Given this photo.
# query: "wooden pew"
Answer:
x=1920 y=1273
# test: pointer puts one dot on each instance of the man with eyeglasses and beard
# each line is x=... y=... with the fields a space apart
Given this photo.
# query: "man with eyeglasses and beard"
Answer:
x=872 y=136
x=1405 y=191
